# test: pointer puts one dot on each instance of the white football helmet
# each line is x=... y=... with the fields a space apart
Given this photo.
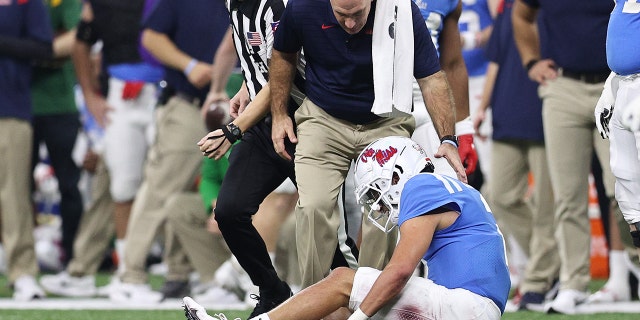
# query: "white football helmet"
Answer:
x=381 y=171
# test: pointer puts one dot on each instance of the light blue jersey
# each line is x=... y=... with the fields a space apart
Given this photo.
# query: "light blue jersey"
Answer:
x=475 y=17
x=470 y=253
x=623 y=38
x=434 y=12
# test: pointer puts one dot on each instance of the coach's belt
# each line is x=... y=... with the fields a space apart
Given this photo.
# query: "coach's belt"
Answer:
x=587 y=77
x=188 y=98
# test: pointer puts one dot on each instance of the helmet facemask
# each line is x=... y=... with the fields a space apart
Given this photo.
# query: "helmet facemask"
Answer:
x=377 y=203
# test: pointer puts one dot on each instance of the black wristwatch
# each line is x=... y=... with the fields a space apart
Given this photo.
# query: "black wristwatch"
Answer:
x=232 y=132
x=450 y=139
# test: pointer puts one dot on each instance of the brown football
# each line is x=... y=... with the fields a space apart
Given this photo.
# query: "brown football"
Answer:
x=217 y=115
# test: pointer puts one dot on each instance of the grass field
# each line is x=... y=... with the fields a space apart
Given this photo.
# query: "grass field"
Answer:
x=14 y=314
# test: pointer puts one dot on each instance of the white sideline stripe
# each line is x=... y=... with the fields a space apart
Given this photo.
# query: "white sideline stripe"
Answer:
x=591 y=308
x=106 y=304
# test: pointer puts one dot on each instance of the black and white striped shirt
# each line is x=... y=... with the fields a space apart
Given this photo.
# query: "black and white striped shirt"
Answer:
x=254 y=23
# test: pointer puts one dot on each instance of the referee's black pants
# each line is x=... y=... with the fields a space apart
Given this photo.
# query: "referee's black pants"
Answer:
x=254 y=171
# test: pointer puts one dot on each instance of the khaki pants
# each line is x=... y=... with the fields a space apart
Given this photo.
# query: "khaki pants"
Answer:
x=530 y=223
x=571 y=137
x=326 y=147
x=172 y=164
x=96 y=227
x=15 y=201
x=187 y=221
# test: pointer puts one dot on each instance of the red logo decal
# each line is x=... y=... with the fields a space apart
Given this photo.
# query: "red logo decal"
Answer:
x=380 y=156
x=325 y=26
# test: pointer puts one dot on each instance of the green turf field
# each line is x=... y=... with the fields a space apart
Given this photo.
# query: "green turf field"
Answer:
x=11 y=314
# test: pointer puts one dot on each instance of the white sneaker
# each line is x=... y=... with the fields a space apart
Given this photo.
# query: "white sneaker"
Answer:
x=136 y=293
x=105 y=290
x=217 y=295
x=66 y=285
x=609 y=295
x=194 y=311
x=566 y=301
x=25 y=288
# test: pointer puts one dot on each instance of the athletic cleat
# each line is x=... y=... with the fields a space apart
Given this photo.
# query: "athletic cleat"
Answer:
x=135 y=293
x=175 y=289
x=606 y=295
x=267 y=301
x=529 y=298
x=106 y=290
x=25 y=288
x=194 y=311
x=566 y=301
x=63 y=284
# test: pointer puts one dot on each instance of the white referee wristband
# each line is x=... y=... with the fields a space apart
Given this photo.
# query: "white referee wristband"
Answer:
x=192 y=64
x=464 y=127
x=358 y=315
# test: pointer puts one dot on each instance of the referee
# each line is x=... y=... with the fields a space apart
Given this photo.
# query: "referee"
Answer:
x=255 y=169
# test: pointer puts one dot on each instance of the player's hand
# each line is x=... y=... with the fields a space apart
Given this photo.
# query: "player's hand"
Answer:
x=239 y=102
x=200 y=75
x=99 y=108
x=478 y=120
x=631 y=116
x=214 y=145
x=281 y=129
x=468 y=154
x=450 y=152
x=542 y=71
x=604 y=107
x=90 y=161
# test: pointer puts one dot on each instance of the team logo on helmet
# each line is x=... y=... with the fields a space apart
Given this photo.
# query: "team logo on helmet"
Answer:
x=381 y=156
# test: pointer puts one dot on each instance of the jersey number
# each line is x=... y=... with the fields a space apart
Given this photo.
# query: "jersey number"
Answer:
x=452 y=185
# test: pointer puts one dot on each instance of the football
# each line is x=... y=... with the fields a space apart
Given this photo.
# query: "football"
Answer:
x=217 y=115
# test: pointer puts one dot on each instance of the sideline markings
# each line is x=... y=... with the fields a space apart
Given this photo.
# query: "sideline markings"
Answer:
x=105 y=304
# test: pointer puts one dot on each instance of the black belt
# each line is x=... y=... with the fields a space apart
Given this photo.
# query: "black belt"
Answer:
x=587 y=77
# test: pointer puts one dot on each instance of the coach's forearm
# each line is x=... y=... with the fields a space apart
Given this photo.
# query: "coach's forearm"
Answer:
x=282 y=69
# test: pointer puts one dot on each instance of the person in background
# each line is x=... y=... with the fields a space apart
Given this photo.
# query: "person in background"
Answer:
x=25 y=36
x=517 y=150
x=570 y=85
x=183 y=36
x=56 y=120
x=126 y=112
x=476 y=24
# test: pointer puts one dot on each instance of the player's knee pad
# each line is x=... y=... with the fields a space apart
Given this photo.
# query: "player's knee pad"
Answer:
x=125 y=189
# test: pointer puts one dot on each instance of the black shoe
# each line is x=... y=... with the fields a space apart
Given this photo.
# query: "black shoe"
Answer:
x=175 y=289
x=530 y=298
x=268 y=300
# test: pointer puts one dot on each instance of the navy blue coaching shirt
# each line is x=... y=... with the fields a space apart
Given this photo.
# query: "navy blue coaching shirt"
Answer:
x=196 y=27
x=339 y=68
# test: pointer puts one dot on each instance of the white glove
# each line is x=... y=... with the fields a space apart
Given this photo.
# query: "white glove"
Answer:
x=631 y=115
x=604 y=107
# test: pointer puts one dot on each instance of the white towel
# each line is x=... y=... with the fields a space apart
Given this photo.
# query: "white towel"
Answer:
x=392 y=53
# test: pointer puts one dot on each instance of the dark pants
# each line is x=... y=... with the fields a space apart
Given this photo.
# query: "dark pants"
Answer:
x=59 y=133
x=255 y=170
